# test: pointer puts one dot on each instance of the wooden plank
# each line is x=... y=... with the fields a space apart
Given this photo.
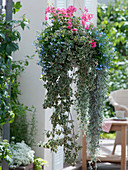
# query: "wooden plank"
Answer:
x=84 y=153
x=123 y=147
x=115 y=128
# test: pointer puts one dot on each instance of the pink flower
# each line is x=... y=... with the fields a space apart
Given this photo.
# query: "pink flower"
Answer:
x=90 y=16
x=58 y=9
x=47 y=10
x=86 y=9
x=68 y=27
x=87 y=27
x=74 y=29
x=93 y=44
x=63 y=11
x=46 y=17
x=84 y=17
x=54 y=14
x=83 y=22
x=95 y=27
x=71 y=9
x=69 y=23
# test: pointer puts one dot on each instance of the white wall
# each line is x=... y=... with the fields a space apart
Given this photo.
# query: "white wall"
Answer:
x=105 y=1
x=31 y=85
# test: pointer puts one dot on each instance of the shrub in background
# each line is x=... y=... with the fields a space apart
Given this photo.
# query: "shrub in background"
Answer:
x=22 y=128
x=113 y=19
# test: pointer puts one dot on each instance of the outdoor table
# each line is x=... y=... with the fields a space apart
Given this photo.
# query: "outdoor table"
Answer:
x=115 y=126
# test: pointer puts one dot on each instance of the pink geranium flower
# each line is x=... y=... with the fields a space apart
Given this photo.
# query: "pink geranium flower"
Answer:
x=74 y=29
x=83 y=22
x=87 y=27
x=69 y=23
x=90 y=16
x=85 y=9
x=68 y=27
x=46 y=17
x=84 y=17
x=47 y=10
x=71 y=9
x=63 y=11
x=93 y=44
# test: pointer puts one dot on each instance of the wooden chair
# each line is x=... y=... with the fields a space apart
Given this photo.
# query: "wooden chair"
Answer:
x=119 y=99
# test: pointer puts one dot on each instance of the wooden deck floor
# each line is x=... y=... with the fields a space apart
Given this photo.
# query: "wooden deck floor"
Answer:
x=106 y=148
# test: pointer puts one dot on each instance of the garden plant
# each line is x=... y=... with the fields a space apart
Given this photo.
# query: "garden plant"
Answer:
x=10 y=107
x=10 y=70
x=21 y=154
x=9 y=38
x=113 y=20
x=73 y=51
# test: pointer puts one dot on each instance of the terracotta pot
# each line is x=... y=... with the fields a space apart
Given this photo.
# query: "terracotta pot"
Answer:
x=27 y=167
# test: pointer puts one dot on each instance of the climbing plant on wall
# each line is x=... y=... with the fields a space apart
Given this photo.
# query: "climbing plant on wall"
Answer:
x=72 y=50
x=9 y=37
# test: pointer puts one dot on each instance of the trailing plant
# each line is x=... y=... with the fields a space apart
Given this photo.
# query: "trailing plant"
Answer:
x=72 y=51
x=112 y=19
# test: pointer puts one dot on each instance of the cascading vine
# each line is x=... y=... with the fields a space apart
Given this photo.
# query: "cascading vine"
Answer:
x=66 y=43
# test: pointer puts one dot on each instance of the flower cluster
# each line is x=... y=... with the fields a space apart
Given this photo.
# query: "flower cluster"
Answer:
x=21 y=154
x=67 y=15
x=86 y=17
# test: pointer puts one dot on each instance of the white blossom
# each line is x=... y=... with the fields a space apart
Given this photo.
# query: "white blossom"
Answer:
x=21 y=154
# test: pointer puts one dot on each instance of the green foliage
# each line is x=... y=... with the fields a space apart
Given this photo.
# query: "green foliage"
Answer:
x=108 y=135
x=113 y=19
x=9 y=38
x=22 y=128
x=61 y=49
x=38 y=163
x=16 y=6
x=5 y=151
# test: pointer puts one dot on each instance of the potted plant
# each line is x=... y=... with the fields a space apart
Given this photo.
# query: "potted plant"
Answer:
x=39 y=163
x=5 y=153
x=68 y=42
x=22 y=156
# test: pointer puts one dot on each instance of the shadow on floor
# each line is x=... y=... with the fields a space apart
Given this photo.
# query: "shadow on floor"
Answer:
x=101 y=166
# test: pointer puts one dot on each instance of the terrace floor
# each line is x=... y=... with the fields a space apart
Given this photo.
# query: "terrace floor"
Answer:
x=106 y=148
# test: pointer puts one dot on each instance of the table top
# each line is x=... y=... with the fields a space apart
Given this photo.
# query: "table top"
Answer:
x=117 y=122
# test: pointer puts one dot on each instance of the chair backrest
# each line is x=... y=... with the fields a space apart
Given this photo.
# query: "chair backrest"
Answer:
x=120 y=96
